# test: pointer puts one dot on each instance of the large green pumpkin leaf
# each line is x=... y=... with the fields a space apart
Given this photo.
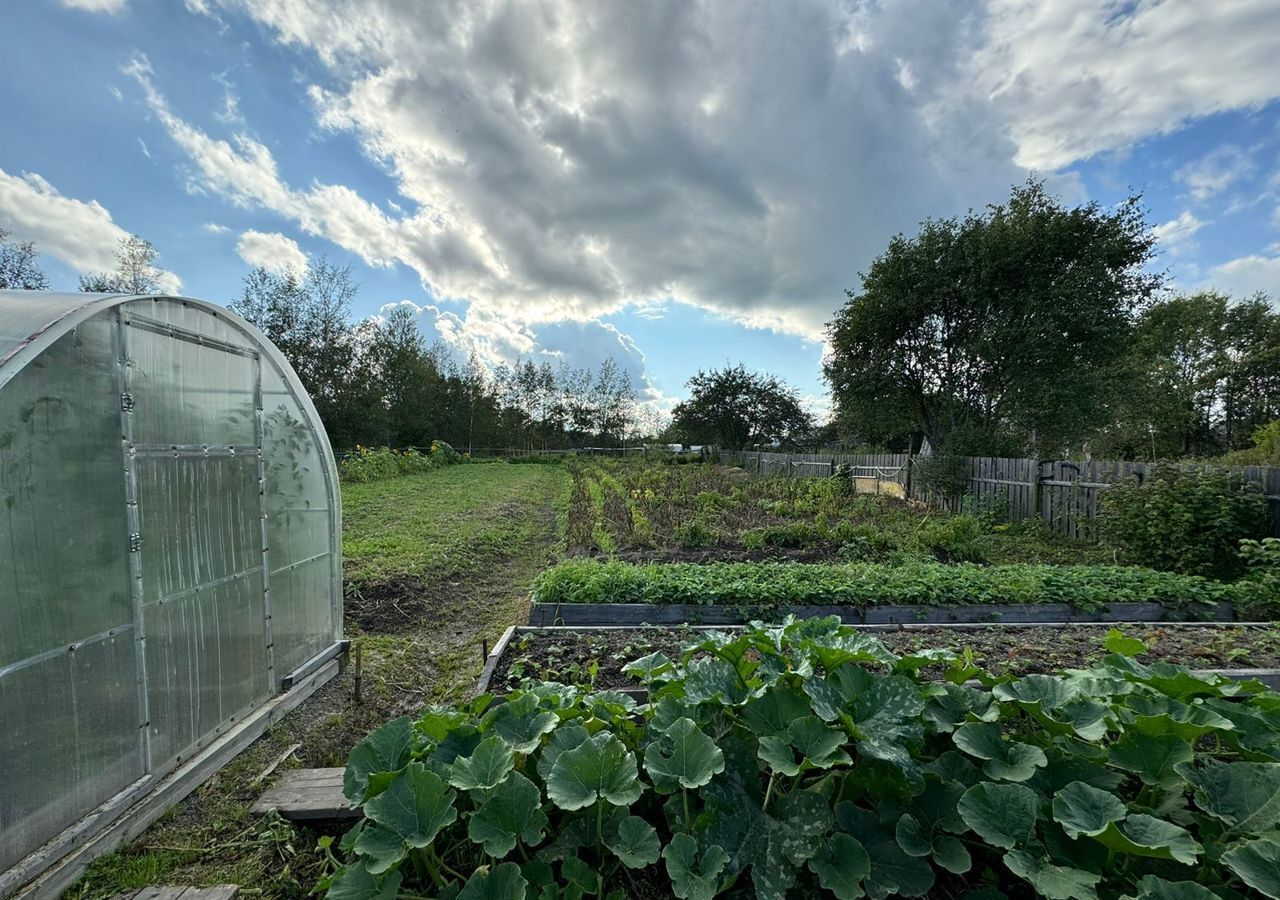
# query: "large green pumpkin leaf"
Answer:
x=1053 y=881
x=416 y=805
x=647 y=668
x=386 y=750
x=512 y=811
x=1152 y=758
x=1006 y=760
x=600 y=768
x=682 y=757
x=485 y=768
x=1082 y=809
x=1245 y=795
x=382 y=848
x=566 y=737
x=635 y=843
x=357 y=883
x=711 y=679
x=1257 y=862
x=807 y=743
x=693 y=878
x=502 y=882
x=1151 y=887
x=775 y=709
x=892 y=871
x=1144 y=835
x=1043 y=692
x=840 y=865
x=520 y=722
x=959 y=704
x=1003 y=815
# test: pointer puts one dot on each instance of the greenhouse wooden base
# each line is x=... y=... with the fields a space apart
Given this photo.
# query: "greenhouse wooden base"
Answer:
x=543 y=614
x=50 y=870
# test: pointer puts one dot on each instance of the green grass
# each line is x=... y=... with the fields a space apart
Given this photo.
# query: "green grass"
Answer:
x=444 y=522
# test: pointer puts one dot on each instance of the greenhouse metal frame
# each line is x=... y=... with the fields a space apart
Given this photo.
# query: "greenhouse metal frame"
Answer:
x=170 y=562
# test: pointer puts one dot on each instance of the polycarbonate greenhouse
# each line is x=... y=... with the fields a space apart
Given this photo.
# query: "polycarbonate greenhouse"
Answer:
x=169 y=556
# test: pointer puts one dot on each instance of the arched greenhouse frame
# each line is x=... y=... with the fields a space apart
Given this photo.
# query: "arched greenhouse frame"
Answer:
x=170 y=562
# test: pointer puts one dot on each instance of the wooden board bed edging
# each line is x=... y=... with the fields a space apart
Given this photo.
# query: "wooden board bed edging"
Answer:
x=1269 y=677
x=544 y=614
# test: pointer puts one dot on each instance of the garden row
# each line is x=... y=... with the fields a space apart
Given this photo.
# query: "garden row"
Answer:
x=810 y=760
x=775 y=586
x=640 y=511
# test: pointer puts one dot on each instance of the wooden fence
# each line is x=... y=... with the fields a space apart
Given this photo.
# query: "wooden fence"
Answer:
x=1064 y=493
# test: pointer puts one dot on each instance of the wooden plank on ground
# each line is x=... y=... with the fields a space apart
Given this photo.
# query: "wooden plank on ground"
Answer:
x=307 y=795
x=181 y=892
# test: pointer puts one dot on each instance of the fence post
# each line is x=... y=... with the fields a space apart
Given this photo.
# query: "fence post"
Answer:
x=831 y=472
x=1035 y=488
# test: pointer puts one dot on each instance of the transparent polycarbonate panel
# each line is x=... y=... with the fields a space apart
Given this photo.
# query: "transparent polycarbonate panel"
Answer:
x=69 y=739
x=188 y=394
x=200 y=521
x=206 y=665
x=24 y=315
x=189 y=317
x=301 y=613
x=63 y=533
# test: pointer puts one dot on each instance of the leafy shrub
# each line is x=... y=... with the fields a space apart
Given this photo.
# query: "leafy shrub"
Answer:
x=1188 y=521
x=444 y=454
x=795 y=534
x=1262 y=564
x=866 y=584
x=954 y=539
x=366 y=464
x=942 y=475
x=808 y=761
x=694 y=534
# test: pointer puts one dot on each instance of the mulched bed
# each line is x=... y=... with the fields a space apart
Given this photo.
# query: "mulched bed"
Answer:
x=569 y=655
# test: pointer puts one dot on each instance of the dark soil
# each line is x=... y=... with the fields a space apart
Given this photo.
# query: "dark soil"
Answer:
x=565 y=654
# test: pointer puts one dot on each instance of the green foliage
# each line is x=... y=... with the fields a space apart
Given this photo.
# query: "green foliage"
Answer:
x=693 y=534
x=365 y=464
x=821 y=765
x=1184 y=520
x=734 y=408
x=942 y=475
x=1007 y=323
x=768 y=584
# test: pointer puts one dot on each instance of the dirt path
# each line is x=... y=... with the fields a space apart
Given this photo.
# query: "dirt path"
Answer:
x=420 y=631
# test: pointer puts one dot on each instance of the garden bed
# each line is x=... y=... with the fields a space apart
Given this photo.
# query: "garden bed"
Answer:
x=547 y=614
x=569 y=654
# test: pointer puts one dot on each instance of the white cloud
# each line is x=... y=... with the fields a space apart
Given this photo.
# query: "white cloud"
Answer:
x=110 y=7
x=1215 y=172
x=750 y=159
x=215 y=228
x=1077 y=77
x=272 y=251
x=81 y=234
x=1246 y=276
x=1176 y=234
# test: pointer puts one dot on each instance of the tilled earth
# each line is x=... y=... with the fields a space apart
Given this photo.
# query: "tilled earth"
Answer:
x=568 y=655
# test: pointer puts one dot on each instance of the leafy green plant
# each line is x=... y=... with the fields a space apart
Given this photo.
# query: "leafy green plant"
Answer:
x=694 y=533
x=955 y=539
x=805 y=759
x=365 y=464
x=768 y=584
x=1184 y=520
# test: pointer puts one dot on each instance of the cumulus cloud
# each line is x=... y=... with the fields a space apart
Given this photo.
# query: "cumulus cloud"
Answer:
x=1215 y=172
x=747 y=158
x=1176 y=234
x=272 y=251
x=97 y=6
x=215 y=228
x=81 y=234
x=1247 y=275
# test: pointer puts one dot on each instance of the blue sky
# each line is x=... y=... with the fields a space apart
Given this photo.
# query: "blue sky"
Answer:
x=678 y=185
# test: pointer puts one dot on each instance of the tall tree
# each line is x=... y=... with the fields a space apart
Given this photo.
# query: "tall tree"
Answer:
x=18 y=268
x=136 y=271
x=736 y=408
x=1009 y=323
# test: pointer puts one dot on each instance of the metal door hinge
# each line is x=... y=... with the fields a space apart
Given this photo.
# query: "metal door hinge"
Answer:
x=126 y=402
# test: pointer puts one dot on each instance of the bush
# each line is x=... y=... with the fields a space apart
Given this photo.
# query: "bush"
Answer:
x=796 y=534
x=366 y=464
x=694 y=534
x=942 y=475
x=1188 y=521
x=954 y=539
x=444 y=454
x=866 y=584
x=808 y=761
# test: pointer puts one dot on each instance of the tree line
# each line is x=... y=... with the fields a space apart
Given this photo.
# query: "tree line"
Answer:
x=377 y=381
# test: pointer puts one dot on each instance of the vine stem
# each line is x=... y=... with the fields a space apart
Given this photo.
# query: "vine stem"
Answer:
x=768 y=792
x=684 y=792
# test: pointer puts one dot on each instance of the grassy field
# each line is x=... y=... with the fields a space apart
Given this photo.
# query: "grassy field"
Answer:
x=434 y=564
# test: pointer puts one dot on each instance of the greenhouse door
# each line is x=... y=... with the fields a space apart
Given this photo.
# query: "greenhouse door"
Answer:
x=192 y=431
